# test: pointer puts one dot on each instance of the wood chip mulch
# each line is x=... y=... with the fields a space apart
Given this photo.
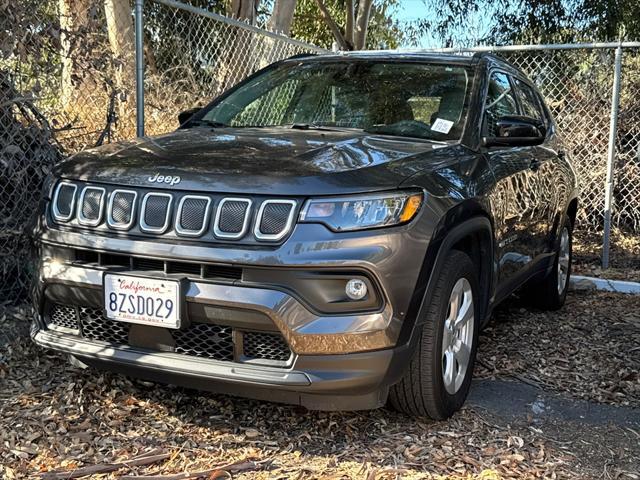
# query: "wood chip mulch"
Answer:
x=58 y=421
x=590 y=349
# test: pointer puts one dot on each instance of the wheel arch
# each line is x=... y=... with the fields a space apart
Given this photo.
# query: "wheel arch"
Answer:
x=572 y=211
x=467 y=228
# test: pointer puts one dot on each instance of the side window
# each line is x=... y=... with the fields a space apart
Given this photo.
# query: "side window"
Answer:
x=500 y=101
x=529 y=101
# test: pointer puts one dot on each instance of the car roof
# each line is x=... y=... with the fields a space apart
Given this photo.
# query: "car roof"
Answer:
x=391 y=55
x=414 y=56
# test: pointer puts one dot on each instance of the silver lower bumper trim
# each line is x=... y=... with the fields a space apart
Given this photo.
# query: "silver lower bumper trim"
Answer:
x=171 y=362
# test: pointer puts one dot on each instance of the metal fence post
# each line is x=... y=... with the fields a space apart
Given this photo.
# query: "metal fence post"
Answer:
x=611 y=157
x=139 y=69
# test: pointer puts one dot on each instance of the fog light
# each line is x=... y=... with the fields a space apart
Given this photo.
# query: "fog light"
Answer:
x=356 y=289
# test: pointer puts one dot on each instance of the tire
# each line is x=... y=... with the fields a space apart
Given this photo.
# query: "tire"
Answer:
x=550 y=293
x=422 y=391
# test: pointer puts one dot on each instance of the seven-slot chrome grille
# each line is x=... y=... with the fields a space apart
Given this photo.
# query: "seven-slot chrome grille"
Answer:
x=148 y=212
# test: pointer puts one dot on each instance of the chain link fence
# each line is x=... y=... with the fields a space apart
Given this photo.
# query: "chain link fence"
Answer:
x=69 y=83
x=27 y=153
x=578 y=85
x=201 y=55
x=67 y=79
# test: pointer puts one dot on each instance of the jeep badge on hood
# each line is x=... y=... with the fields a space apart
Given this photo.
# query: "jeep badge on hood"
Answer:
x=171 y=180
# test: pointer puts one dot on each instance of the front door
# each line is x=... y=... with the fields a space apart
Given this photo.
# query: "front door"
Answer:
x=516 y=196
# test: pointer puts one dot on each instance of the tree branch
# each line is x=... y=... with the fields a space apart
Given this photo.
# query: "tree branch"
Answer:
x=104 y=468
x=333 y=26
x=348 y=31
x=362 y=23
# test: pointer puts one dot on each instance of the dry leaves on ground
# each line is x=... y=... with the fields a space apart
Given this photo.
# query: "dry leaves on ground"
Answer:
x=590 y=349
x=55 y=417
x=624 y=256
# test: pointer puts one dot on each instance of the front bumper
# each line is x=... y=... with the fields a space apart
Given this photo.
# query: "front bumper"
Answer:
x=339 y=361
x=355 y=381
x=304 y=331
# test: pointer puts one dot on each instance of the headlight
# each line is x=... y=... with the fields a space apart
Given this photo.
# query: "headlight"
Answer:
x=359 y=212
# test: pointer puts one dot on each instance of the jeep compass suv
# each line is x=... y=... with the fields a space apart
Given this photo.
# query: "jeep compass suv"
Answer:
x=332 y=232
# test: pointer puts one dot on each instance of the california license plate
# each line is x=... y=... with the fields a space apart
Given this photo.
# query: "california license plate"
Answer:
x=149 y=301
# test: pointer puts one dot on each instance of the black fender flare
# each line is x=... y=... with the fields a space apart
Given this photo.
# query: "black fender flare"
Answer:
x=475 y=224
x=410 y=331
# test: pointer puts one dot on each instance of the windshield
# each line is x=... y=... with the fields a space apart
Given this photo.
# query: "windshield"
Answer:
x=390 y=98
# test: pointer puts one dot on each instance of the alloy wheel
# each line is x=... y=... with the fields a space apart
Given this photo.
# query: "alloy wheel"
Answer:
x=457 y=339
x=564 y=255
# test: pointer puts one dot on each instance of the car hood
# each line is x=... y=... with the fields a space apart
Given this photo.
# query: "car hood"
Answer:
x=261 y=160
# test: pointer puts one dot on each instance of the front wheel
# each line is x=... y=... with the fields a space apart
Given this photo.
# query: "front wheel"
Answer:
x=438 y=377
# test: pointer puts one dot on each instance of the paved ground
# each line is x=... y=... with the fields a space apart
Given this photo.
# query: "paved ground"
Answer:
x=556 y=396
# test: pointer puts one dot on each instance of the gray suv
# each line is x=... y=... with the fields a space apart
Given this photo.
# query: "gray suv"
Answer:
x=332 y=232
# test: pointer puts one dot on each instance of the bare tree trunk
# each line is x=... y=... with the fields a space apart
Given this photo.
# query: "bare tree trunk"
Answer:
x=122 y=42
x=282 y=16
x=348 y=30
x=245 y=10
x=362 y=23
x=74 y=16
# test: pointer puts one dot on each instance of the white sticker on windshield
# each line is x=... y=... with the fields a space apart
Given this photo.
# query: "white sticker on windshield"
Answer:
x=441 y=125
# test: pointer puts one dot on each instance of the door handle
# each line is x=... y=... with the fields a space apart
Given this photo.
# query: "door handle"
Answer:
x=534 y=164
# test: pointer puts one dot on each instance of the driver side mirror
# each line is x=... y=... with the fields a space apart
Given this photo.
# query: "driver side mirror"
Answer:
x=187 y=114
x=516 y=131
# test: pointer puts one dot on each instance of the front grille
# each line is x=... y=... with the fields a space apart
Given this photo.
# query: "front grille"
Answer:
x=220 y=271
x=270 y=346
x=274 y=219
x=148 y=264
x=155 y=216
x=194 y=270
x=204 y=218
x=192 y=215
x=121 y=208
x=232 y=217
x=97 y=327
x=91 y=211
x=205 y=340
x=63 y=316
x=64 y=199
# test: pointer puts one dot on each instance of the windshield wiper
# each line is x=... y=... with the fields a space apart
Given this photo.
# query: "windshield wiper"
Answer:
x=391 y=133
x=313 y=126
x=210 y=123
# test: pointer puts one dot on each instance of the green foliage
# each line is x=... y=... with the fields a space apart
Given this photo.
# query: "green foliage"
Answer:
x=531 y=21
x=607 y=20
x=384 y=30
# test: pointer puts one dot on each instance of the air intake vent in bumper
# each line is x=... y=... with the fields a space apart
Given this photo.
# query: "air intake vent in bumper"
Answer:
x=232 y=218
x=205 y=340
x=155 y=213
x=271 y=346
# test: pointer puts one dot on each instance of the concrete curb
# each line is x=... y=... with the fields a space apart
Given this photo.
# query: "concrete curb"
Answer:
x=578 y=282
